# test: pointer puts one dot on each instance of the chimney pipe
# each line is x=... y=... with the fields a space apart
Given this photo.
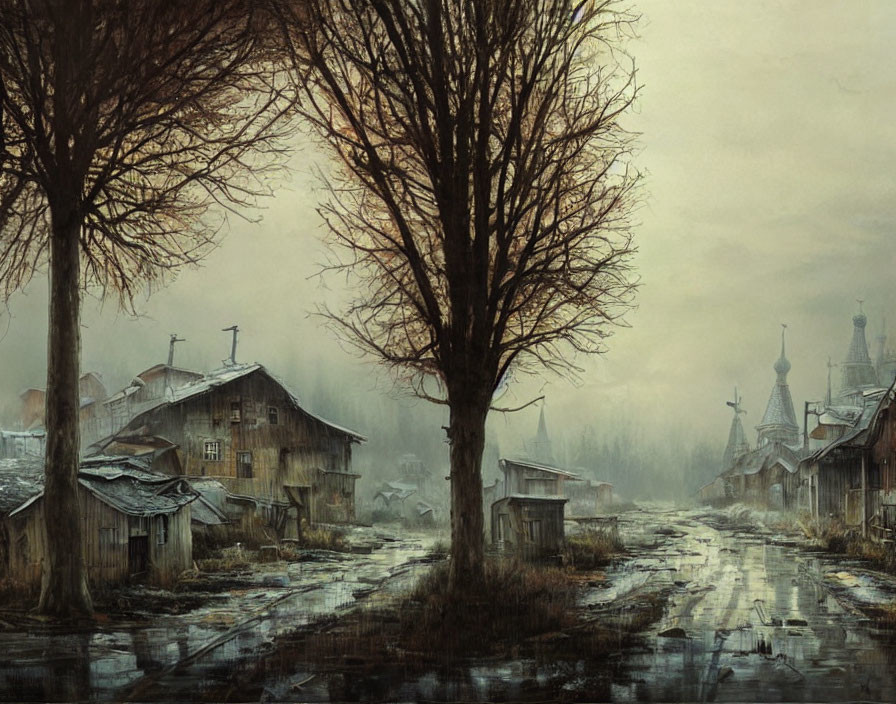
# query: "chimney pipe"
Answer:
x=235 y=329
x=174 y=339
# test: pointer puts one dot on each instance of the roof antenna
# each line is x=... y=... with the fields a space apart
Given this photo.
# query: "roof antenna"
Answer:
x=232 y=360
x=174 y=339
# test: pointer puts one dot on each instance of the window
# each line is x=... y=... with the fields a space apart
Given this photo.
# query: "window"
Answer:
x=244 y=465
x=273 y=415
x=234 y=411
x=534 y=530
x=212 y=451
x=162 y=530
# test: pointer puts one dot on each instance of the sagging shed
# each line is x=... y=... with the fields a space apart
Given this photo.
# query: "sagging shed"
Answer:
x=529 y=526
x=135 y=522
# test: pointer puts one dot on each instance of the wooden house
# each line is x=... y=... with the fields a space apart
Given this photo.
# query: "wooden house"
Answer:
x=135 y=524
x=762 y=477
x=853 y=479
x=524 y=477
x=91 y=414
x=147 y=389
x=528 y=526
x=33 y=409
x=240 y=426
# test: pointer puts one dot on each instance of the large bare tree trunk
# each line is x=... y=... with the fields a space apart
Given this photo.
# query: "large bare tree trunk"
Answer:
x=64 y=591
x=467 y=436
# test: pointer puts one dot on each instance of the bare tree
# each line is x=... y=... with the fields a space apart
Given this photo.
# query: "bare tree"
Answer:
x=122 y=122
x=482 y=196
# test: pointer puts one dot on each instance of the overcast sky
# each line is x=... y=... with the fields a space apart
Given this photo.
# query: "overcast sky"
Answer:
x=768 y=144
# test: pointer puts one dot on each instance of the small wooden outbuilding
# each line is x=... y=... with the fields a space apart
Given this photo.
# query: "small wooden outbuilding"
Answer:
x=530 y=526
x=535 y=478
x=135 y=523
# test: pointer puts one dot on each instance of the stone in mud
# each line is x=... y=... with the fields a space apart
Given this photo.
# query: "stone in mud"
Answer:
x=724 y=674
x=673 y=633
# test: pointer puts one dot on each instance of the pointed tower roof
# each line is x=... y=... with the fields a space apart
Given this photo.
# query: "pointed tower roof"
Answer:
x=779 y=422
x=858 y=370
x=541 y=443
x=737 y=439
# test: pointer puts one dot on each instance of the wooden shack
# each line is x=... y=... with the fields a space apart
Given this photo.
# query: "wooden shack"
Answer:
x=763 y=477
x=240 y=426
x=528 y=478
x=528 y=526
x=853 y=479
x=589 y=498
x=135 y=525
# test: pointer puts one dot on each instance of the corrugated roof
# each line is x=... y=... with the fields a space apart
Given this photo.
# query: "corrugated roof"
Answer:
x=124 y=484
x=536 y=499
x=542 y=468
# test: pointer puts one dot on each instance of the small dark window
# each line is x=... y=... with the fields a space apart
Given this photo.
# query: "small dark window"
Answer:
x=234 y=411
x=162 y=535
x=534 y=530
x=273 y=415
x=244 y=465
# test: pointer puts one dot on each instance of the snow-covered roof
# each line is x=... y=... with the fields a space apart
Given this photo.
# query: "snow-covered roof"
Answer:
x=20 y=479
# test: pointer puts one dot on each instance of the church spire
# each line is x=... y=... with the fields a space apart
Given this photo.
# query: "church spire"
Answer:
x=779 y=422
x=541 y=444
x=737 y=439
x=858 y=370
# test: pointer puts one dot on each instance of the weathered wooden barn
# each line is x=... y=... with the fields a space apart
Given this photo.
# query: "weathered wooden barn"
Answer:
x=528 y=478
x=135 y=522
x=528 y=526
x=240 y=426
x=853 y=479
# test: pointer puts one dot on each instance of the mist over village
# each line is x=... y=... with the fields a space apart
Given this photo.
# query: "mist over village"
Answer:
x=531 y=350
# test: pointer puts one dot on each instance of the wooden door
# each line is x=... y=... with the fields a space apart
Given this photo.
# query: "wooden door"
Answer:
x=138 y=554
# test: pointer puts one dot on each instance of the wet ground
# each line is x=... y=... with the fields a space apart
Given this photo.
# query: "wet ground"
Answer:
x=175 y=657
x=750 y=616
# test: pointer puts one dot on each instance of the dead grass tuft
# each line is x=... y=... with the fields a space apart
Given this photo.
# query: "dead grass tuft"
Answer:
x=592 y=548
x=323 y=539
x=227 y=560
